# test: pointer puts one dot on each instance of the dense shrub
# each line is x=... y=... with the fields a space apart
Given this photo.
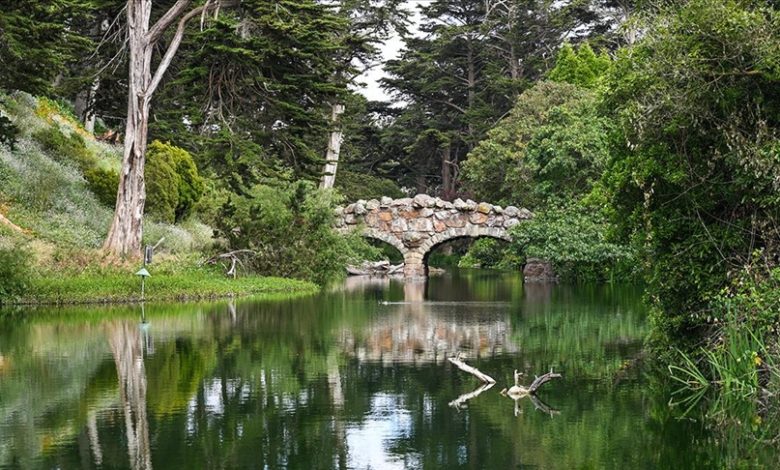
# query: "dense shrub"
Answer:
x=289 y=227
x=173 y=184
x=69 y=149
x=575 y=239
x=103 y=183
x=14 y=273
x=491 y=253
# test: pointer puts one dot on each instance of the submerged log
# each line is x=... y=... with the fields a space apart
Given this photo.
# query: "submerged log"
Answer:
x=457 y=362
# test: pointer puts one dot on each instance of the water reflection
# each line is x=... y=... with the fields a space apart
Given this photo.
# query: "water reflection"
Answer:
x=124 y=338
x=416 y=331
x=355 y=378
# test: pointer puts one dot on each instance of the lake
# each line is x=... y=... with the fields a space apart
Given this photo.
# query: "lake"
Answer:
x=356 y=377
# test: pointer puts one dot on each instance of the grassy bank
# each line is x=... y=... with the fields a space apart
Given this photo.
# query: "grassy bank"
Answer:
x=125 y=287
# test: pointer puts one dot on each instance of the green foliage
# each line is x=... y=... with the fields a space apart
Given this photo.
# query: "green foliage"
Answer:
x=582 y=68
x=576 y=240
x=38 y=42
x=68 y=149
x=15 y=273
x=740 y=359
x=694 y=175
x=103 y=183
x=552 y=146
x=355 y=186
x=173 y=184
x=491 y=253
x=288 y=226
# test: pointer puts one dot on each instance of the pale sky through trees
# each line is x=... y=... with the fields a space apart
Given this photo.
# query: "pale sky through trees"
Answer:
x=390 y=50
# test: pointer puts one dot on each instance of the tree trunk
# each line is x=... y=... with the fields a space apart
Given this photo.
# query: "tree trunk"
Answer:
x=334 y=147
x=85 y=105
x=126 y=232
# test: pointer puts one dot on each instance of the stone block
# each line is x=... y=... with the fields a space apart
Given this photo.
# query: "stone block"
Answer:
x=470 y=205
x=459 y=204
x=404 y=201
x=372 y=205
x=511 y=211
x=421 y=225
x=349 y=209
x=423 y=200
x=525 y=214
x=399 y=225
x=386 y=216
x=484 y=207
x=509 y=223
x=478 y=218
x=457 y=221
x=360 y=209
x=439 y=226
x=427 y=212
x=413 y=239
x=349 y=219
x=386 y=201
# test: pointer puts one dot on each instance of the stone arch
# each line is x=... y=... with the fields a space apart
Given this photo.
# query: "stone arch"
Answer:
x=387 y=238
x=472 y=231
x=418 y=263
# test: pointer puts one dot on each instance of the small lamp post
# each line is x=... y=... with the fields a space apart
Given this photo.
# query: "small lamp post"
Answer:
x=143 y=273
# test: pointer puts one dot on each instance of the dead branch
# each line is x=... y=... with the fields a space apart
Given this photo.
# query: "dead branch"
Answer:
x=457 y=362
x=233 y=257
x=13 y=226
x=461 y=400
x=518 y=391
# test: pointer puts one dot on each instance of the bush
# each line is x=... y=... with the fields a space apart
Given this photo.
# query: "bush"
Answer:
x=575 y=239
x=289 y=227
x=14 y=273
x=103 y=183
x=173 y=185
x=65 y=149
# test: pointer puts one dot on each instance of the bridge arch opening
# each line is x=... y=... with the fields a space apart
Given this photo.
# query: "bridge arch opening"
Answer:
x=451 y=253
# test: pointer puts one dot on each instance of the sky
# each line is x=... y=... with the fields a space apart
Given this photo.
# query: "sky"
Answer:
x=390 y=50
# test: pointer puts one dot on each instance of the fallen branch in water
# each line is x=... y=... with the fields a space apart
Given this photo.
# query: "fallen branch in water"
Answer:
x=457 y=362
x=461 y=400
x=519 y=391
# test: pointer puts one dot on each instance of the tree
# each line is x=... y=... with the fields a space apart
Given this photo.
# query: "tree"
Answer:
x=694 y=175
x=125 y=234
x=37 y=43
x=369 y=23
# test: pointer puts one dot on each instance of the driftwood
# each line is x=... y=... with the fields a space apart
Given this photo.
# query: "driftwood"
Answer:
x=457 y=362
x=233 y=257
x=518 y=391
x=461 y=400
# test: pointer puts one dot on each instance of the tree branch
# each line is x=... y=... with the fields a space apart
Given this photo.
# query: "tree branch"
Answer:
x=156 y=32
x=174 y=46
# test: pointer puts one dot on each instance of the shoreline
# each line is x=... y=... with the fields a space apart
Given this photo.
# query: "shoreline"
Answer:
x=124 y=289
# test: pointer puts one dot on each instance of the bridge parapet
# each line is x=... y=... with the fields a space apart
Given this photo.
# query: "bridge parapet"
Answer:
x=416 y=225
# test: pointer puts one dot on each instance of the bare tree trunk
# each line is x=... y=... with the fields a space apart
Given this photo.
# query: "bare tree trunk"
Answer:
x=334 y=147
x=126 y=232
x=85 y=105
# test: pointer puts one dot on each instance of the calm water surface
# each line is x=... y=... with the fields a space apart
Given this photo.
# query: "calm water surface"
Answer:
x=355 y=378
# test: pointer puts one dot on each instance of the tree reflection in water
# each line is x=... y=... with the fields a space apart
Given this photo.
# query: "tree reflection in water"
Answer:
x=124 y=339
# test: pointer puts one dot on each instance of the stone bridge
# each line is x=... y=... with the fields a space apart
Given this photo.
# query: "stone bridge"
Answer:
x=415 y=226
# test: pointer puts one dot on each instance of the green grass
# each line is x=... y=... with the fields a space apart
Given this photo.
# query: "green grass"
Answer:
x=126 y=287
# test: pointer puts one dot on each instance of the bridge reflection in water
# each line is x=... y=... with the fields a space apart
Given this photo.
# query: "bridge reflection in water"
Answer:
x=416 y=331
